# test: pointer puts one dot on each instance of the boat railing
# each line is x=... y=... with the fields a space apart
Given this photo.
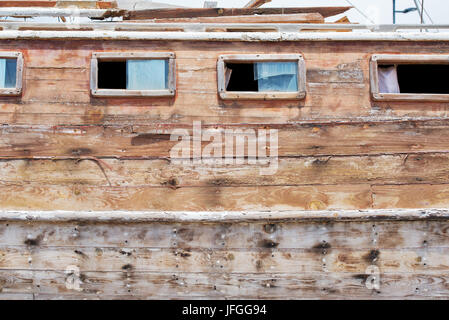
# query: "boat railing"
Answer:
x=215 y=27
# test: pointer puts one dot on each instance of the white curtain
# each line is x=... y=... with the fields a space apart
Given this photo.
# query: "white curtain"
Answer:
x=277 y=76
x=388 y=80
x=146 y=74
x=228 y=73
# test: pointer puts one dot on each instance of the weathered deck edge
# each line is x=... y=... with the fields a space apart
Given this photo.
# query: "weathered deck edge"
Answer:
x=218 y=216
x=222 y=36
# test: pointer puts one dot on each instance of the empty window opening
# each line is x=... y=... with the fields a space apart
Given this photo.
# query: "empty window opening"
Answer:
x=8 y=73
x=262 y=77
x=240 y=77
x=112 y=74
x=133 y=74
x=413 y=78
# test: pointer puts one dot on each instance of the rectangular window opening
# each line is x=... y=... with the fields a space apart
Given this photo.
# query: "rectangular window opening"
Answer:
x=261 y=77
x=8 y=73
x=111 y=74
x=410 y=77
x=132 y=74
x=414 y=78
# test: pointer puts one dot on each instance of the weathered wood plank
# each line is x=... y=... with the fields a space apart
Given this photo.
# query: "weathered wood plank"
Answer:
x=306 y=139
x=217 y=12
x=146 y=285
x=271 y=18
x=70 y=91
x=60 y=4
x=38 y=197
x=297 y=260
x=320 y=258
x=338 y=87
x=382 y=169
x=411 y=196
x=255 y=235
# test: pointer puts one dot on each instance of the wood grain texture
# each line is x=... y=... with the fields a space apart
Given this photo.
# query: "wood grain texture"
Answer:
x=271 y=18
x=284 y=260
x=37 y=197
x=306 y=139
x=337 y=136
x=398 y=169
x=56 y=82
x=62 y=149
x=217 y=12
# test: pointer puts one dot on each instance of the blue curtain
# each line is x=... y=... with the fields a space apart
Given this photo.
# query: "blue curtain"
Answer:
x=2 y=72
x=10 y=73
x=8 y=69
x=277 y=76
x=146 y=74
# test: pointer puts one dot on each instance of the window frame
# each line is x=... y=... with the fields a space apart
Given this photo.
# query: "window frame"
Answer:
x=377 y=59
x=264 y=95
x=123 y=56
x=17 y=90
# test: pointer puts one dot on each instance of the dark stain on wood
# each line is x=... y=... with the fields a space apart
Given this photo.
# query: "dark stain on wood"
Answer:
x=172 y=183
x=270 y=228
x=186 y=234
x=266 y=243
x=149 y=138
x=269 y=283
x=372 y=256
x=259 y=265
x=320 y=162
x=221 y=182
x=79 y=252
x=80 y=151
x=361 y=276
x=322 y=247
x=33 y=241
x=127 y=267
x=126 y=253
x=185 y=254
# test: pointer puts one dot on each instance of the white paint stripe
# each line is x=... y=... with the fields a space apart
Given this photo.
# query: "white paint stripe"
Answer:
x=53 y=12
x=222 y=36
x=225 y=216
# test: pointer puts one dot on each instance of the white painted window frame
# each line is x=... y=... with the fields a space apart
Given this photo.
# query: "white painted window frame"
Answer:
x=17 y=90
x=249 y=58
x=377 y=59
x=121 y=56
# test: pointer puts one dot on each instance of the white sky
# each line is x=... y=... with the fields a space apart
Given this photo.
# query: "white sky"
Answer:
x=379 y=11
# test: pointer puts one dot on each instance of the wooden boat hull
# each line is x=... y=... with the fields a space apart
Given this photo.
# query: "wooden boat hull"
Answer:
x=63 y=149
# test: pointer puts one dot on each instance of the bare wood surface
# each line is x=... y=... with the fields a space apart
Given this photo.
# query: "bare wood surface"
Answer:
x=137 y=224
x=269 y=18
x=399 y=169
x=259 y=260
x=60 y=4
x=315 y=139
x=216 y=12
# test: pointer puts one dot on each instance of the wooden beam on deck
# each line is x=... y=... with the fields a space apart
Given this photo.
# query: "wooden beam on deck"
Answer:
x=270 y=18
x=222 y=12
x=58 y=4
